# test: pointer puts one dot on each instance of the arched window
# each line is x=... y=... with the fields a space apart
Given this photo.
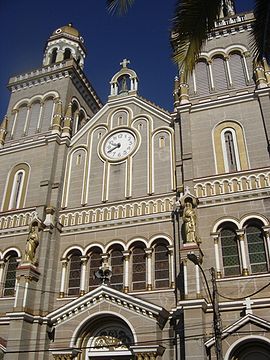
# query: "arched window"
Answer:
x=219 y=74
x=11 y=262
x=16 y=190
x=256 y=247
x=201 y=78
x=116 y=257
x=230 y=151
x=230 y=252
x=16 y=187
x=53 y=56
x=237 y=70
x=230 y=147
x=138 y=268
x=161 y=266
x=74 y=273
x=95 y=262
x=67 y=54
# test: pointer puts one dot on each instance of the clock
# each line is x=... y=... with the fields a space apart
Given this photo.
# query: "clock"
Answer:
x=119 y=144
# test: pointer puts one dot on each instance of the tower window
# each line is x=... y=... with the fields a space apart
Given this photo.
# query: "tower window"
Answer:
x=16 y=190
x=256 y=248
x=10 y=274
x=53 y=56
x=67 y=54
x=230 y=151
x=74 y=274
x=230 y=254
x=161 y=266
x=138 y=269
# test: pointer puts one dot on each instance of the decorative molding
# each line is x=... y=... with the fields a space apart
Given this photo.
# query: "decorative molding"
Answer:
x=232 y=184
x=117 y=212
x=17 y=219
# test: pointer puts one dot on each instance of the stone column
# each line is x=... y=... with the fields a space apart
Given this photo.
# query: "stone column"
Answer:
x=227 y=64
x=171 y=264
x=216 y=248
x=15 y=113
x=126 y=255
x=40 y=116
x=241 y=239
x=209 y=63
x=266 y=230
x=2 y=265
x=148 y=252
x=83 y=272
x=63 y=278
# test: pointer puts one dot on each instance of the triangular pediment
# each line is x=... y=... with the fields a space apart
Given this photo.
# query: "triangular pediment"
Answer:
x=106 y=294
x=146 y=107
x=236 y=326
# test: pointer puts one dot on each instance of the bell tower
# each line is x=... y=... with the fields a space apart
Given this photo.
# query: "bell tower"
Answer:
x=65 y=43
x=43 y=98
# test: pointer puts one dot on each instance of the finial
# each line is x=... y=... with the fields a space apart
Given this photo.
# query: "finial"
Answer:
x=70 y=24
x=124 y=63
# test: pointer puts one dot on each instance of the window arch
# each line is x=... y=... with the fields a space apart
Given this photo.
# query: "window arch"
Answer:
x=74 y=273
x=138 y=267
x=229 y=250
x=202 y=83
x=16 y=187
x=256 y=247
x=67 y=54
x=230 y=150
x=230 y=147
x=53 y=56
x=237 y=70
x=9 y=281
x=219 y=73
x=161 y=256
x=95 y=262
x=116 y=258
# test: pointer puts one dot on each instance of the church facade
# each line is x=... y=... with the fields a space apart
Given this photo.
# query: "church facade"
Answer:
x=112 y=214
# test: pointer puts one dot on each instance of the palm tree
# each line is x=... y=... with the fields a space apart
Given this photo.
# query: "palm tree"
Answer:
x=192 y=21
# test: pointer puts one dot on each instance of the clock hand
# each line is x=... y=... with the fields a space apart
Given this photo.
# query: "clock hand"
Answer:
x=115 y=147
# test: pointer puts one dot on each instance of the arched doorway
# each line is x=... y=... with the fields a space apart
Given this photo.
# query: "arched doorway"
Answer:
x=251 y=349
x=106 y=337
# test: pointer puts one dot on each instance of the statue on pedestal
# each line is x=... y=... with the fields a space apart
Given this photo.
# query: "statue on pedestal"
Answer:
x=32 y=244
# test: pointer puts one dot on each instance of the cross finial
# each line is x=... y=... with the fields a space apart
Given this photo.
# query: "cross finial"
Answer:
x=248 y=302
x=124 y=63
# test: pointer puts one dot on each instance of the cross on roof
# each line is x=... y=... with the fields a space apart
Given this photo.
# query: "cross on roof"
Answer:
x=248 y=302
x=124 y=63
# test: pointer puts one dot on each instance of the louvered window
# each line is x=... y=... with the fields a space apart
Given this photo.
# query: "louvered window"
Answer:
x=138 y=269
x=230 y=255
x=237 y=71
x=20 y=121
x=47 y=113
x=117 y=269
x=161 y=266
x=74 y=274
x=94 y=262
x=219 y=74
x=202 y=80
x=10 y=275
x=33 y=118
x=256 y=249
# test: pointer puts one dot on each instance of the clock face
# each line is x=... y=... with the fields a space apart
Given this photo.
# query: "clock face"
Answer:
x=119 y=145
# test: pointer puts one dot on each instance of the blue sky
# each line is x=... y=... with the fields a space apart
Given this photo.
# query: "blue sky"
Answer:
x=142 y=36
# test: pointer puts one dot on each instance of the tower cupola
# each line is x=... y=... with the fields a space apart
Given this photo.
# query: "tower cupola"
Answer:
x=65 y=43
x=125 y=81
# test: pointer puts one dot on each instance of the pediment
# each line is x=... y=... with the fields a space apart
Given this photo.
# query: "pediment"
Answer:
x=106 y=294
x=239 y=324
x=145 y=106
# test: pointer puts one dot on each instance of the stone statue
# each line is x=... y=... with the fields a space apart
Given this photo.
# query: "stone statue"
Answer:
x=123 y=84
x=31 y=244
x=229 y=4
x=190 y=219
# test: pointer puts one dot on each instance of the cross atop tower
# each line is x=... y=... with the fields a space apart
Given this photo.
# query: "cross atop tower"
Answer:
x=124 y=63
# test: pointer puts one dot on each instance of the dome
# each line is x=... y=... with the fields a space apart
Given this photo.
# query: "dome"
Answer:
x=67 y=30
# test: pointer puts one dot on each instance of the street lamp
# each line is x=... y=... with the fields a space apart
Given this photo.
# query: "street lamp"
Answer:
x=214 y=301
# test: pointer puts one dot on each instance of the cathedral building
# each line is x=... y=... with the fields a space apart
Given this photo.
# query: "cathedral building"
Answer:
x=112 y=214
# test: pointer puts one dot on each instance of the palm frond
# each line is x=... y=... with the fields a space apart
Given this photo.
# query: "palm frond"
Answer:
x=261 y=31
x=192 y=21
x=119 y=6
